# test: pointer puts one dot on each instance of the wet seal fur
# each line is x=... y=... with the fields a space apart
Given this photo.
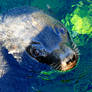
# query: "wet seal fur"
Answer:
x=43 y=38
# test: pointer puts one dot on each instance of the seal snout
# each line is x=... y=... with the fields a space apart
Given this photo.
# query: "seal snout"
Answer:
x=68 y=63
x=68 y=59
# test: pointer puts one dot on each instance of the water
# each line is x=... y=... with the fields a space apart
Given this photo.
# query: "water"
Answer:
x=77 y=80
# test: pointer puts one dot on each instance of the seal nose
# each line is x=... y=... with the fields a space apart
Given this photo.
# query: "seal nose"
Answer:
x=71 y=59
x=69 y=63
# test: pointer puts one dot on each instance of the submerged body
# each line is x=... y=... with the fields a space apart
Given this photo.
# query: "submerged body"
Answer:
x=41 y=37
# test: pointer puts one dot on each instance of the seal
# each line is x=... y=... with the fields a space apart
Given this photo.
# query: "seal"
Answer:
x=44 y=38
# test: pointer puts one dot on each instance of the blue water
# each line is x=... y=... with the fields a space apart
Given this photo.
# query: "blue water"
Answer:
x=77 y=80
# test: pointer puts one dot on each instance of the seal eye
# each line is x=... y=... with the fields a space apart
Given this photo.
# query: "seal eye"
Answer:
x=59 y=30
x=35 y=52
x=62 y=31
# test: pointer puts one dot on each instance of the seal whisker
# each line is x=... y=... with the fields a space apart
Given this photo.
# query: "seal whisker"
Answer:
x=57 y=68
x=52 y=64
x=74 y=47
x=77 y=50
x=55 y=65
x=73 y=44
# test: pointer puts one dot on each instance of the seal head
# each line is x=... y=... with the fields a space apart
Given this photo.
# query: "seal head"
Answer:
x=54 y=46
x=44 y=38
